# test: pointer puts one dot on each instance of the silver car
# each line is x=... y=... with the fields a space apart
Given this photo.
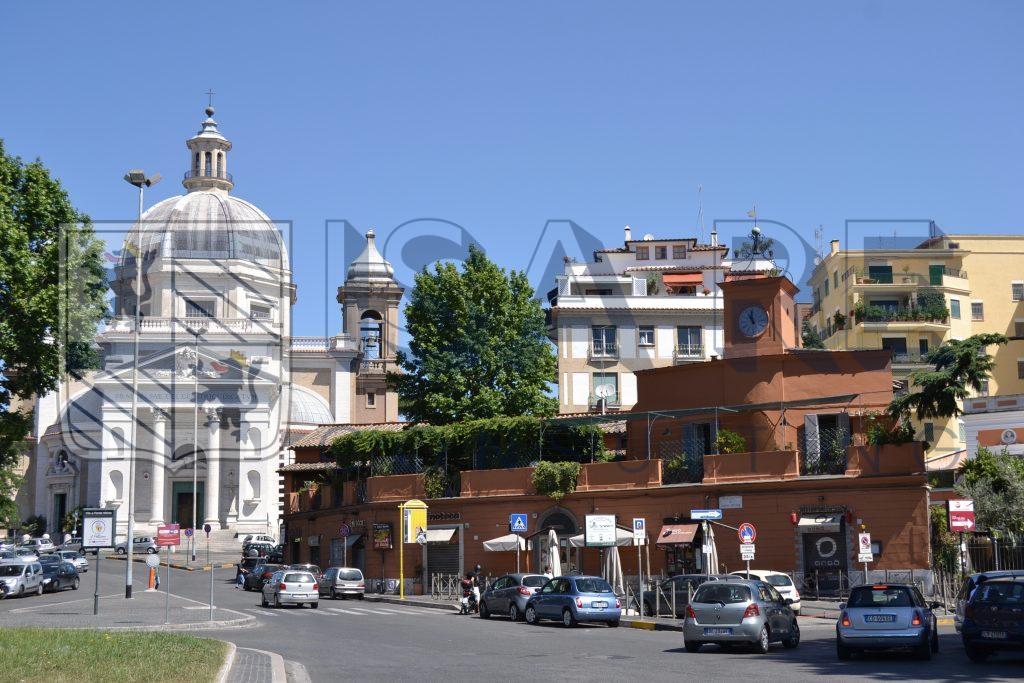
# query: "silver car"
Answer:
x=22 y=578
x=736 y=612
x=291 y=587
x=343 y=582
x=39 y=545
x=141 y=544
x=886 y=616
x=508 y=595
x=74 y=557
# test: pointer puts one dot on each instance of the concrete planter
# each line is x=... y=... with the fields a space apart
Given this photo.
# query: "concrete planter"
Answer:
x=395 y=487
x=754 y=466
x=508 y=482
x=889 y=459
x=614 y=476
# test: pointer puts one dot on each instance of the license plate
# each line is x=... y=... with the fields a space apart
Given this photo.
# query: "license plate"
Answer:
x=718 y=631
x=995 y=635
x=876 y=618
x=599 y=604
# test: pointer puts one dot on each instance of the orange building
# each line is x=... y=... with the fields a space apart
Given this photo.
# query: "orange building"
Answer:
x=798 y=468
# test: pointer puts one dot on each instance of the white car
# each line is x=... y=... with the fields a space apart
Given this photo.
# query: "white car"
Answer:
x=259 y=538
x=779 y=581
x=39 y=545
x=141 y=544
x=22 y=578
x=74 y=557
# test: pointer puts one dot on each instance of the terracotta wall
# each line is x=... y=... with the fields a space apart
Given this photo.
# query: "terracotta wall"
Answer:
x=751 y=466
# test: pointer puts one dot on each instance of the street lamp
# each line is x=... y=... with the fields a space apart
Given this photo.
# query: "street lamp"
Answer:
x=195 y=332
x=139 y=179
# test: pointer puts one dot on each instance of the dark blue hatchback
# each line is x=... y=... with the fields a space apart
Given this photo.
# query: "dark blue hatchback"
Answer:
x=994 y=618
x=572 y=599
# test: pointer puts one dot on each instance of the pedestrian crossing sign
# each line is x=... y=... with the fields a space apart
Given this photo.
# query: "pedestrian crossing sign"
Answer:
x=517 y=522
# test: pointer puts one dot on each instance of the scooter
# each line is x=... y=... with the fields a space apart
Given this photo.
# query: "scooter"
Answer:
x=469 y=603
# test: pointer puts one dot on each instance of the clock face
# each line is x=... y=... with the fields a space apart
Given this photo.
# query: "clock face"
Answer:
x=753 y=321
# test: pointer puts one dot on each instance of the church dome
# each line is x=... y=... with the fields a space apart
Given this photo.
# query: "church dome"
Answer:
x=307 y=407
x=370 y=266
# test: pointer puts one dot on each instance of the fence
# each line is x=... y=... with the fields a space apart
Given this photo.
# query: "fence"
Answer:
x=825 y=454
x=993 y=555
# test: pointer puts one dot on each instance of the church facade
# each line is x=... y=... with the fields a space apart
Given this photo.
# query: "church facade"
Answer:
x=216 y=382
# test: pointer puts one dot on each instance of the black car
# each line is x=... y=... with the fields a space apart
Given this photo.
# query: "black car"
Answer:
x=276 y=556
x=260 y=574
x=994 y=618
x=59 y=575
x=679 y=587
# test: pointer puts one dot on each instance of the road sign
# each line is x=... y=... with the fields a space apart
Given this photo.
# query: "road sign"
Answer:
x=747 y=551
x=705 y=514
x=152 y=560
x=344 y=530
x=864 y=553
x=97 y=528
x=168 y=535
x=747 y=533
x=207 y=528
x=961 y=515
x=639 y=528
x=517 y=522
x=189 y=532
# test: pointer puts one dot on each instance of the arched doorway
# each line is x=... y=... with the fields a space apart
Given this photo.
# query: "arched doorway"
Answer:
x=565 y=526
x=183 y=460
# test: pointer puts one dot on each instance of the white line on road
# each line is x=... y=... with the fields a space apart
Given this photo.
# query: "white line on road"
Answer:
x=343 y=611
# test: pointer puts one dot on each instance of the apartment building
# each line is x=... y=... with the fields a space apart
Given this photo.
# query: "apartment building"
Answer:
x=650 y=303
x=911 y=300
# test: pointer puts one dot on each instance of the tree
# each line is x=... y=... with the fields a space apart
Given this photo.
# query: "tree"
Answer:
x=478 y=346
x=960 y=365
x=810 y=338
x=995 y=482
x=52 y=296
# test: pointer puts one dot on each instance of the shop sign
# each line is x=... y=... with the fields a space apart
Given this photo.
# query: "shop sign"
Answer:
x=961 y=515
x=443 y=516
x=599 y=530
x=382 y=536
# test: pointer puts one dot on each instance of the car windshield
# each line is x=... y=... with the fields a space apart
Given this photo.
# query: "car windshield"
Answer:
x=593 y=586
x=880 y=596
x=298 y=577
x=1001 y=593
x=10 y=570
x=725 y=593
x=50 y=559
x=349 y=575
x=779 y=580
x=51 y=568
x=534 y=581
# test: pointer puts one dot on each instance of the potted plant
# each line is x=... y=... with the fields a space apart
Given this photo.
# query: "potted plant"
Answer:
x=840 y=320
x=859 y=310
x=907 y=279
x=706 y=291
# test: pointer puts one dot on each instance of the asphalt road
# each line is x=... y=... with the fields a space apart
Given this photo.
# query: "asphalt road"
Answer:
x=366 y=641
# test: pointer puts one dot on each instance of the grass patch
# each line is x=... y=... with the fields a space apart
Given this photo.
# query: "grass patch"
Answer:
x=37 y=654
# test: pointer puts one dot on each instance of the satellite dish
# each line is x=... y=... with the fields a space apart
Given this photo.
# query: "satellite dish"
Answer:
x=604 y=391
x=648 y=237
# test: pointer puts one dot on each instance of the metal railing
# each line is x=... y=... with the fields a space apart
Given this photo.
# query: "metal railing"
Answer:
x=875 y=314
x=863 y=277
x=689 y=351
x=602 y=351
x=826 y=455
x=209 y=173
x=909 y=357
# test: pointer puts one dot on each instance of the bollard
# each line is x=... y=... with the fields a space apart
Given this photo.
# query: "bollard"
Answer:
x=152 y=579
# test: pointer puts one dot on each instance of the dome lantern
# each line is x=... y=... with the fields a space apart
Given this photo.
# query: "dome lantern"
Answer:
x=209 y=158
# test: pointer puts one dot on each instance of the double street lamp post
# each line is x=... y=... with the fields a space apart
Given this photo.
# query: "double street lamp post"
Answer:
x=195 y=332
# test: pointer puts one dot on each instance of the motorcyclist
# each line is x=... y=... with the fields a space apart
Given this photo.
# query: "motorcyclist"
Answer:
x=477 y=578
x=469 y=601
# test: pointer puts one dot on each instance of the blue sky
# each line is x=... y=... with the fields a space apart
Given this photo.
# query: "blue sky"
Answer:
x=500 y=119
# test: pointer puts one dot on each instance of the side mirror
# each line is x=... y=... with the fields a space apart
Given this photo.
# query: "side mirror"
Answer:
x=842 y=605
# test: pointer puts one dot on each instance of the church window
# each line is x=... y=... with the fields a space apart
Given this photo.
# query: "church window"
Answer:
x=259 y=312
x=200 y=308
x=209 y=164
x=371 y=400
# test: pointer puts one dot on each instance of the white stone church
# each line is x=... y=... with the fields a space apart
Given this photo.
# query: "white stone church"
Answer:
x=215 y=277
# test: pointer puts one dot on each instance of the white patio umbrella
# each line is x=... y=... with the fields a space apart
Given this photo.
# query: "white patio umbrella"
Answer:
x=712 y=557
x=506 y=543
x=613 y=570
x=554 y=558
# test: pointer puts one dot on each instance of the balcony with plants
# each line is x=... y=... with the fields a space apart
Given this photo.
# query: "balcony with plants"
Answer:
x=928 y=307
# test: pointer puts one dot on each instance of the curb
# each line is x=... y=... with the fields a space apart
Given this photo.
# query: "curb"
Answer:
x=188 y=626
x=395 y=600
x=174 y=565
x=650 y=625
x=229 y=659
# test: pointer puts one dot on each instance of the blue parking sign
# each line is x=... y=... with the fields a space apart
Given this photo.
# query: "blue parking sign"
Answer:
x=517 y=522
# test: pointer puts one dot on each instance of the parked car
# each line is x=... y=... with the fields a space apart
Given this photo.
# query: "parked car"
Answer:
x=311 y=568
x=248 y=564
x=293 y=587
x=259 y=538
x=682 y=586
x=27 y=555
x=994 y=618
x=76 y=558
x=343 y=582
x=780 y=581
x=59 y=575
x=260 y=574
x=967 y=590
x=141 y=544
x=22 y=578
x=73 y=543
x=9 y=556
x=39 y=545
x=7 y=546
x=257 y=549
x=738 y=611
x=509 y=594
x=276 y=555
x=885 y=617
x=572 y=599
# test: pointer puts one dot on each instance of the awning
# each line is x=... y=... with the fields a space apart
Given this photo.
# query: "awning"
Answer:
x=671 y=534
x=439 y=535
x=623 y=537
x=820 y=522
x=506 y=543
x=351 y=540
x=673 y=279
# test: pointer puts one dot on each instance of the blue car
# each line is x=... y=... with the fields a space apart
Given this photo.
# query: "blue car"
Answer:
x=572 y=599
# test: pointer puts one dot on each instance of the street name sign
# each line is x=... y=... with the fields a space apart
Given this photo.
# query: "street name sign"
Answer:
x=705 y=514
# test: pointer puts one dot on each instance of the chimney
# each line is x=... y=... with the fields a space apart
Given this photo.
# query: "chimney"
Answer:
x=629 y=233
x=833 y=247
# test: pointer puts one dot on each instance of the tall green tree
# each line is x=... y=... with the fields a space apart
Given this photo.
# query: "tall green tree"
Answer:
x=478 y=346
x=52 y=295
x=810 y=338
x=995 y=482
x=960 y=365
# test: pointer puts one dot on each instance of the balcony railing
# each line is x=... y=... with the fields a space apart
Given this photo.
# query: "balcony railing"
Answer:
x=372 y=366
x=862 y=277
x=909 y=358
x=826 y=454
x=874 y=314
x=341 y=342
x=154 y=325
x=209 y=173
x=689 y=351
x=604 y=351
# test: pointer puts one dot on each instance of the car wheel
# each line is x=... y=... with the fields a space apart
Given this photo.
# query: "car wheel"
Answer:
x=763 y=641
x=361 y=596
x=513 y=612
x=484 y=612
x=976 y=654
x=334 y=594
x=794 y=637
x=692 y=645
x=531 y=614
x=121 y=551
x=935 y=639
x=21 y=592
x=568 y=620
x=923 y=652
x=613 y=624
x=74 y=584
x=842 y=652
x=39 y=591
x=314 y=605
x=277 y=601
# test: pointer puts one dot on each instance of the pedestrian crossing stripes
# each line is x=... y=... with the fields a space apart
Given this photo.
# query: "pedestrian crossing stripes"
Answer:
x=327 y=611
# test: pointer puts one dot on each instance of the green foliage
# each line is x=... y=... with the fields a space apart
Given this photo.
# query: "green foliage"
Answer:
x=881 y=430
x=945 y=544
x=478 y=347
x=435 y=482
x=729 y=441
x=932 y=304
x=53 y=289
x=555 y=479
x=960 y=366
x=653 y=284
x=35 y=525
x=810 y=338
x=69 y=524
x=995 y=482
x=839 y=318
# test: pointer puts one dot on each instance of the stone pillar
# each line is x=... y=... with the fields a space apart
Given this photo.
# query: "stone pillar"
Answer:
x=160 y=459
x=212 y=491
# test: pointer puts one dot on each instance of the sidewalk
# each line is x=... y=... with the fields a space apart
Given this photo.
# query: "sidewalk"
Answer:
x=179 y=560
x=256 y=666
x=145 y=612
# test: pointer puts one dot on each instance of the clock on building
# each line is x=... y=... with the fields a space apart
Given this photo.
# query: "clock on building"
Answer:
x=753 y=321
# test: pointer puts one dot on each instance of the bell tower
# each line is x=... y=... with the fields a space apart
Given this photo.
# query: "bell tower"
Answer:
x=760 y=316
x=209 y=149
x=369 y=307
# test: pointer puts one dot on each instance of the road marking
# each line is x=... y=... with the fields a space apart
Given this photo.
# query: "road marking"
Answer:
x=263 y=612
x=343 y=611
x=358 y=610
